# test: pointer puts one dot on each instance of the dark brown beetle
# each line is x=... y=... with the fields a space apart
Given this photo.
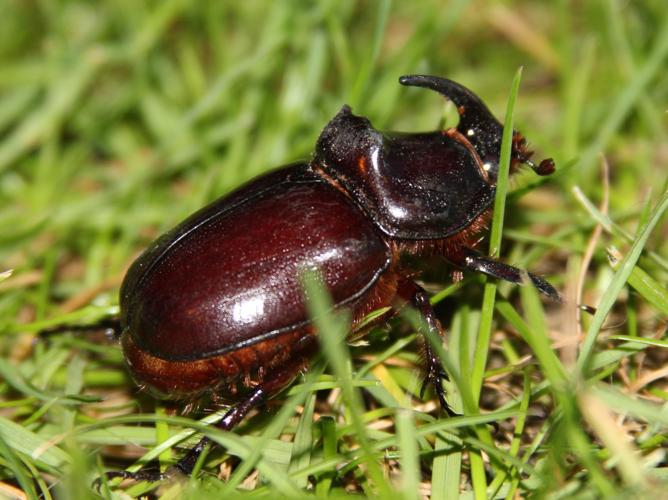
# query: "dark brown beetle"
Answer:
x=216 y=305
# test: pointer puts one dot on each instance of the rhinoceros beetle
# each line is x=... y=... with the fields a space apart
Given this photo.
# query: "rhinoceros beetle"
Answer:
x=216 y=305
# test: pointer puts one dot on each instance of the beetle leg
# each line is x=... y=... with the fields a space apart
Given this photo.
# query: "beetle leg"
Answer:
x=260 y=394
x=187 y=463
x=474 y=261
x=110 y=325
x=435 y=374
x=233 y=417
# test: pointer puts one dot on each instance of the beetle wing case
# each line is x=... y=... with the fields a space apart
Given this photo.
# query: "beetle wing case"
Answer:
x=414 y=186
x=229 y=275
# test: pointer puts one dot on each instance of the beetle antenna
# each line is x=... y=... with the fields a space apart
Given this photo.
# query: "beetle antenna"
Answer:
x=545 y=167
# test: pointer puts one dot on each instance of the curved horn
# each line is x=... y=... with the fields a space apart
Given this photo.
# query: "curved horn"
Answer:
x=476 y=122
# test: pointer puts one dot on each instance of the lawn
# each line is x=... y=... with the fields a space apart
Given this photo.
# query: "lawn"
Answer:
x=120 y=118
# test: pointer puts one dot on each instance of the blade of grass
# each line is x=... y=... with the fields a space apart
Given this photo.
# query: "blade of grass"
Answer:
x=623 y=454
x=329 y=453
x=582 y=446
x=43 y=122
x=446 y=468
x=643 y=283
x=362 y=80
x=447 y=464
x=278 y=422
x=619 y=280
x=539 y=343
x=627 y=405
x=514 y=450
x=624 y=103
x=332 y=334
x=485 y=330
x=641 y=340
x=18 y=469
x=14 y=379
x=610 y=226
x=380 y=446
x=242 y=446
x=409 y=454
x=303 y=443
x=44 y=453
x=162 y=434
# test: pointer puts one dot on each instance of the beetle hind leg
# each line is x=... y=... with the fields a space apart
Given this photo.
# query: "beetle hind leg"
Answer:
x=269 y=387
x=474 y=261
x=186 y=464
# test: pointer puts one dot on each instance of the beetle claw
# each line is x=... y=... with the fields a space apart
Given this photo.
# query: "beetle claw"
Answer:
x=435 y=377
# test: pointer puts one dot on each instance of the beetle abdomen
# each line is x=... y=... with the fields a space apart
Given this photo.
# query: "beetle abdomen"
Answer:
x=223 y=375
x=235 y=280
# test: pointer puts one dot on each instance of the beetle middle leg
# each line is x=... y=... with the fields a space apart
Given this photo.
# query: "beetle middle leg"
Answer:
x=413 y=293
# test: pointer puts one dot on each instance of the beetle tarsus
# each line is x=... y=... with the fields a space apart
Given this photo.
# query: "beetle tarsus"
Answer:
x=475 y=262
x=435 y=377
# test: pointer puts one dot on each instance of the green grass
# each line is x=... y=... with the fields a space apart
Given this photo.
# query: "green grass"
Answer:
x=118 y=119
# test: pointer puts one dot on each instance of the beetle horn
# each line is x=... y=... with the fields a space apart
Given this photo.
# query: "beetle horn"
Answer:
x=476 y=122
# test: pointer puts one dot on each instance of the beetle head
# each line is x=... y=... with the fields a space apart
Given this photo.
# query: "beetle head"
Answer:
x=479 y=126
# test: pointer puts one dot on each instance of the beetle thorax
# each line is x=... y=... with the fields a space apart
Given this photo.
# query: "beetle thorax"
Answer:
x=419 y=186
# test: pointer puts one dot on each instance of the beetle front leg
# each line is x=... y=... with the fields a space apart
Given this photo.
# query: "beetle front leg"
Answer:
x=470 y=259
x=413 y=293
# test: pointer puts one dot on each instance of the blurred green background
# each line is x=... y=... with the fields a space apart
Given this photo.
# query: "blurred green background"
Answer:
x=118 y=118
